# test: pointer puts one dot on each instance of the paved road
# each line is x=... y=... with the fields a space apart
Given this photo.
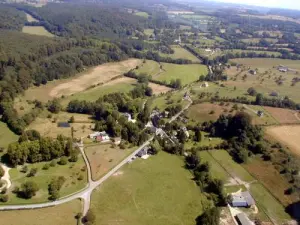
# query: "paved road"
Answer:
x=84 y=194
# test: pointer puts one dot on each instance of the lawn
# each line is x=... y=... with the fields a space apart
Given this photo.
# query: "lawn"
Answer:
x=181 y=53
x=82 y=126
x=71 y=172
x=6 y=135
x=186 y=73
x=158 y=191
x=59 y=215
x=37 y=30
x=103 y=157
x=206 y=141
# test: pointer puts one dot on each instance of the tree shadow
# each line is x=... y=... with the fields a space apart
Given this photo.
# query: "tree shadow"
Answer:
x=294 y=211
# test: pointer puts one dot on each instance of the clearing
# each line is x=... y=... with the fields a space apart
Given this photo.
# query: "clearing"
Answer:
x=6 y=135
x=158 y=191
x=82 y=126
x=59 y=215
x=283 y=116
x=288 y=135
x=37 y=30
x=30 y=18
x=90 y=78
x=71 y=171
x=181 y=53
x=142 y=14
x=103 y=157
x=166 y=71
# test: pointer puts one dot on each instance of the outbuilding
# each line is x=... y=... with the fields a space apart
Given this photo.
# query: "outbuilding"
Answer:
x=243 y=219
x=243 y=199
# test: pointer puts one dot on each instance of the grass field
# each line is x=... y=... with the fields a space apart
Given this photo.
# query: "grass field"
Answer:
x=71 y=172
x=37 y=30
x=288 y=135
x=186 y=73
x=81 y=82
x=103 y=157
x=142 y=14
x=154 y=191
x=30 y=18
x=82 y=126
x=169 y=99
x=6 y=135
x=256 y=40
x=181 y=53
x=273 y=34
x=59 y=215
x=149 y=31
x=283 y=116
x=265 y=80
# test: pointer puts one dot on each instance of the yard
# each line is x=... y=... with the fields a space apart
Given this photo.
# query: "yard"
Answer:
x=59 y=215
x=158 y=191
x=103 y=157
x=82 y=126
x=181 y=53
x=71 y=171
x=6 y=135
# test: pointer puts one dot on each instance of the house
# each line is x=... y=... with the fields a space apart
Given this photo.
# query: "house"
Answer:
x=204 y=85
x=253 y=72
x=143 y=152
x=99 y=136
x=242 y=219
x=243 y=199
x=186 y=132
x=283 y=69
x=260 y=113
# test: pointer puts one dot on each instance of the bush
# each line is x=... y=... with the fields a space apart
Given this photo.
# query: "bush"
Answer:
x=63 y=160
x=29 y=189
x=4 y=198
x=80 y=177
x=53 y=163
x=24 y=169
x=32 y=172
x=46 y=166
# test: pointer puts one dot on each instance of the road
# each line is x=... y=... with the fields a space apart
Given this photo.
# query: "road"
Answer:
x=178 y=114
x=84 y=194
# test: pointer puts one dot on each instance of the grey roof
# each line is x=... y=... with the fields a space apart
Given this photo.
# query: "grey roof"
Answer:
x=250 y=201
x=243 y=219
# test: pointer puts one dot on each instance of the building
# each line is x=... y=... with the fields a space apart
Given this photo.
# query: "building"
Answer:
x=186 y=132
x=204 y=85
x=99 y=136
x=129 y=117
x=242 y=219
x=243 y=199
x=283 y=69
x=253 y=72
x=143 y=152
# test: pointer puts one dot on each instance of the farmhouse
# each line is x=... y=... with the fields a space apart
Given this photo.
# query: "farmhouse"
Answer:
x=99 y=136
x=242 y=219
x=243 y=199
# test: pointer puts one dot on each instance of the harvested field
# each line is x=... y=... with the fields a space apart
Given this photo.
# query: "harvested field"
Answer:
x=159 y=89
x=97 y=75
x=82 y=126
x=284 y=116
x=103 y=157
x=59 y=215
x=288 y=135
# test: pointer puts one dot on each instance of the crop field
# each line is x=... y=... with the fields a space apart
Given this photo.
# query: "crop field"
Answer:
x=81 y=82
x=271 y=178
x=48 y=127
x=159 y=89
x=288 y=135
x=256 y=40
x=59 y=215
x=283 y=116
x=37 y=30
x=103 y=157
x=273 y=17
x=71 y=172
x=266 y=119
x=273 y=34
x=181 y=53
x=167 y=72
x=30 y=18
x=158 y=191
x=268 y=79
x=6 y=135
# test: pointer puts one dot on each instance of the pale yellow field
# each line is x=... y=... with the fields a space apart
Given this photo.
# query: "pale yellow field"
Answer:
x=36 y=30
x=288 y=135
x=97 y=75
x=30 y=18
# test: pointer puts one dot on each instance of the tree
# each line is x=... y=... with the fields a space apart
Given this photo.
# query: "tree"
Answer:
x=198 y=135
x=209 y=217
x=29 y=189
x=259 y=99
x=251 y=91
x=90 y=217
x=54 y=106
x=192 y=160
x=72 y=119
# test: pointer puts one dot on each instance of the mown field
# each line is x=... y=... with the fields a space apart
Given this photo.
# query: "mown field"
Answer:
x=181 y=53
x=71 y=171
x=6 y=135
x=59 y=215
x=37 y=30
x=103 y=157
x=158 y=190
x=92 y=77
x=167 y=72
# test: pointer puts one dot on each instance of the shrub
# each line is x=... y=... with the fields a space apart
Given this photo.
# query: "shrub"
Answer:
x=80 y=177
x=24 y=169
x=63 y=160
x=53 y=163
x=32 y=172
x=46 y=166
x=4 y=198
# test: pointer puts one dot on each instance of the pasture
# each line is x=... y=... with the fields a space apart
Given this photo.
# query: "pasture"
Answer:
x=268 y=80
x=6 y=135
x=257 y=40
x=92 y=77
x=158 y=191
x=71 y=171
x=169 y=99
x=59 y=215
x=283 y=116
x=103 y=157
x=48 y=127
x=37 y=30
x=287 y=135
x=168 y=72
x=181 y=53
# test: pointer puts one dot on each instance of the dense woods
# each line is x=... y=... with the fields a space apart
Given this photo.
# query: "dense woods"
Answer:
x=11 y=18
